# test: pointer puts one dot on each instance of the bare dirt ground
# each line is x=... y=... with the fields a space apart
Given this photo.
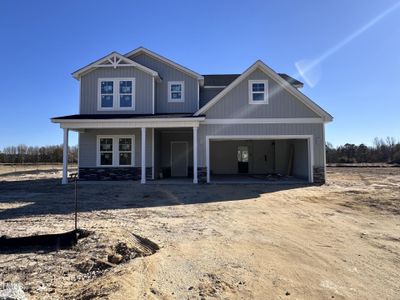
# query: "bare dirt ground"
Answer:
x=337 y=241
x=32 y=171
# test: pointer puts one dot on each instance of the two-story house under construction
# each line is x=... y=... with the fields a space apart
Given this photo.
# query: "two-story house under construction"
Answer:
x=143 y=116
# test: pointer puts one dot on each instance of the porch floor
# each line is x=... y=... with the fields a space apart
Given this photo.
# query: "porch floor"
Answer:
x=177 y=180
x=254 y=179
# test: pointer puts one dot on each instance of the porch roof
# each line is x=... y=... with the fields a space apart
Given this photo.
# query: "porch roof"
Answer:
x=83 y=121
x=124 y=116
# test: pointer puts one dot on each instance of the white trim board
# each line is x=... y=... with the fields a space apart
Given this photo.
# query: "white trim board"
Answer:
x=153 y=95
x=129 y=123
x=152 y=154
x=265 y=121
x=309 y=138
x=164 y=60
x=113 y=60
x=274 y=76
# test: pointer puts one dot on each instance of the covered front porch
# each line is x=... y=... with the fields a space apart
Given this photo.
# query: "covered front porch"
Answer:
x=151 y=148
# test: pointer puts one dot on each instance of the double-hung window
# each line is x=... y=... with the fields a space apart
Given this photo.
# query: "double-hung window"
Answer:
x=176 y=91
x=115 y=151
x=106 y=151
x=125 y=151
x=258 y=91
x=116 y=94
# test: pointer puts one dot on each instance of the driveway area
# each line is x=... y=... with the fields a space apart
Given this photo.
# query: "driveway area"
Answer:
x=337 y=241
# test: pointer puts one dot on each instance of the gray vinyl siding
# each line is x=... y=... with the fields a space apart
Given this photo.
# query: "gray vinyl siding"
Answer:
x=316 y=130
x=169 y=73
x=88 y=140
x=143 y=90
x=282 y=104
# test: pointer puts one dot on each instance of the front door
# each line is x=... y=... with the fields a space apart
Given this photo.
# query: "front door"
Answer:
x=243 y=159
x=179 y=159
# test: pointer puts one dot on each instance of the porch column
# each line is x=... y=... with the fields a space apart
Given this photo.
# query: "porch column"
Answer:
x=143 y=168
x=195 y=154
x=65 y=157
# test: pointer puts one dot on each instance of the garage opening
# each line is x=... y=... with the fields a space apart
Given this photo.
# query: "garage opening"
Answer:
x=260 y=160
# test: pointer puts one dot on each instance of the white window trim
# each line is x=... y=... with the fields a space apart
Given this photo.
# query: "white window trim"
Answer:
x=265 y=101
x=116 y=101
x=115 y=152
x=182 y=83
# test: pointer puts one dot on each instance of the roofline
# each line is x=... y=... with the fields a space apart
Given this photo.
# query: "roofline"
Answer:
x=132 y=120
x=88 y=68
x=286 y=85
x=166 y=60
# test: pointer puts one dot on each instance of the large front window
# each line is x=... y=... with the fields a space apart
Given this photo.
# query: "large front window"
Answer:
x=116 y=94
x=115 y=151
x=176 y=91
x=258 y=91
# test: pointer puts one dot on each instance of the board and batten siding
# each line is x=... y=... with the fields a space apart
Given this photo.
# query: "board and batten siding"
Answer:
x=143 y=90
x=169 y=73
x=281 y=103
x=88 y=143
x=316 y=130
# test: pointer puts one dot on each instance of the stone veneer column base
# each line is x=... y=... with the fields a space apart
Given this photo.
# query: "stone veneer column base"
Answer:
x=149 y=172
x=202 y=174
x=319 y=175
x=111 y=173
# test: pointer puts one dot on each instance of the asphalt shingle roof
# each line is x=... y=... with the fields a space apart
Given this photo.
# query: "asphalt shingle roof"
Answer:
x=226 y=79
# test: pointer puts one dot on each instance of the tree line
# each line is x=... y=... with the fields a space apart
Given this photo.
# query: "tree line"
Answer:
x=383 y=151
x=35 y=154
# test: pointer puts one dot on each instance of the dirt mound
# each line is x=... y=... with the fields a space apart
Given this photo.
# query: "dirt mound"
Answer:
x=62 y=273
x=121 y=252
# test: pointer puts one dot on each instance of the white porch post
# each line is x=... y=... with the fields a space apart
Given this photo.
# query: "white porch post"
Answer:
x=143 y=166
x=65 y=157
x=195 y=180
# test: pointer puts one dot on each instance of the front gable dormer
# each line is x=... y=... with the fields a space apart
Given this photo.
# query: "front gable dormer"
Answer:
x=116 y=84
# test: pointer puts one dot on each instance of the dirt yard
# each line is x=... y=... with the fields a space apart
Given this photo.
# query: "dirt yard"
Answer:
x=337 y=241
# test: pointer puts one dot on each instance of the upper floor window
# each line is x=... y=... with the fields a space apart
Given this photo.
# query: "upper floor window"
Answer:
x=116 y=94
x=258 y=91
x=176 y=91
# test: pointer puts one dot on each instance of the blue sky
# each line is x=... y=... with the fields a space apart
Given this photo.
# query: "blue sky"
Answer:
x=357 y=81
